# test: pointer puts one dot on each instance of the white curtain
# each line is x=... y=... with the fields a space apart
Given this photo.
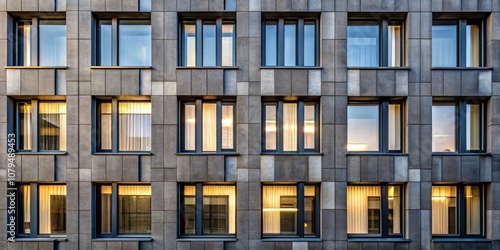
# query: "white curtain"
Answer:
x=444 y=46
x=472 y=46
x=394 y=45
x=394 y=201
x=189 y=127
x=25 y=125
x=105 y=209
x=271 y=127
x=362 y=45
x=26 y=206
x=190 y=47
x=473 y=123
x=227 y=44
x=357 y=207
x=441 y=203
x=106 y=126
x=52 y=126
x=309 y=127
x=209 y=129
x=473 y=209
x=227 y=127
x=289 y=127
x=271 y=199
x=230 y=191
x=135 y=42
x=45 y=201
x=52 y=42
x=135 y=126
x=394 y=127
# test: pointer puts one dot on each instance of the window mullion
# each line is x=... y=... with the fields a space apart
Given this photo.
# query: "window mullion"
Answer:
x=384 y=127
x=199 y=209
x=461 y=127
x=384 y=210
x=34 y=125
x=300 y=207
x=384 y=45
x=114 y=41
x=114 y=209
x=199 y=42
x=34 y=42
x=114 y=125
x=462 y=42
x=34 y=210
x=300 y=127
x=218 y=37
x=300 y=42
x=461 y=211
x=281 y=42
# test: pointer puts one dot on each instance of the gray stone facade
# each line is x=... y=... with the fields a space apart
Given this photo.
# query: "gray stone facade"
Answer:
x=332 y=83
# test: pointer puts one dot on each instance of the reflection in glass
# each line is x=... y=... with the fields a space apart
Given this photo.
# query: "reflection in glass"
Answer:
x=309 y=43
x=394 y=43
x=189 y=127
x=362 y=128
x=290 y=43
x=189 y=210
x=134 y=209
x=394 y=206
x=473 y=126
x=52 y=126
x=24 y=43
x=472 y=45
x=444 y=212
x=228 y=44
x=134 y=41
x=309 y=126
x=443 y=128
x=362 y=45
x=209 y=44
x=394 y=127
x=24 y=126
x=209 y=129
x=289 y=126
x=52 y=42
x=271 y=43
x=271 y=127
x=309 y=210
x=105 y=43
x=52 y=209
x=135 y=126
x=219 y=209
x=106 y=209
x=106 y=126
x=227 y=126
x=444 y=45
x=363 y=209
x=473 y=209
x=279 y=209
x=189 y=52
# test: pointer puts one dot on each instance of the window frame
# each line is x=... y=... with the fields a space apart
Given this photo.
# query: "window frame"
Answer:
x=299 y=41
x=34 y=211
x=300 y=126
x=384 y=212
x=461 y=212
x=198 y=22
x=300 y=218
x=383 y=116
x=460 y=123
x=199 y=211
x=199 y=125
x=460 y=26
x=383 y=39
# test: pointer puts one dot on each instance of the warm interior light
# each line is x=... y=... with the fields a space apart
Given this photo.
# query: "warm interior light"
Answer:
x=390 y=198
x=270 y=209
x=309 y=127
x=227 y=122
x=270 y=126
x=191 y=120
x=356 y=146
x=438 y=198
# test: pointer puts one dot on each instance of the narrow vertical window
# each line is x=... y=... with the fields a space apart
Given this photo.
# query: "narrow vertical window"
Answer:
x=189 y=210
x=271 y=127
x=105 y=43
x=106 y=126
x=25 y=211
x=227 y=126
x=309 y=126
x=290 y=44
x=271 y=34
x=209 y=127
x=473 y=126
x=443 y=128
x=394 y=45
x=24 y=130
x=24 y=43
x=134 y=40
x=52 y=126
x=309 y=43
x=289 y=127
x=209 y=44
x=190 y=44
x=105 y=209
x=473 y=44
x=473 y=210
x=394 y=127
x=228 y=44
x=190 y=127
x=52 y=42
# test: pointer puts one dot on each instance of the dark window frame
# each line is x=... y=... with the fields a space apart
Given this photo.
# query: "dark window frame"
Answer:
x=383 y=116
x=300 y=218
x=460 y=123
x=299 y=41
x=384 y=212
x=461 y=212
x=96 y=214
x=199 y=211
x=199 y=125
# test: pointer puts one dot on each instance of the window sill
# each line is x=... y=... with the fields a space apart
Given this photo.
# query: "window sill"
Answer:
x=36 y=67
x=456 y=239
x=121 y=67
x=209 y=68
x=295 y=239
x=48 y=239
x=292 y=153
x=124 y=239
x=214 y=153
x=123 y=153
x=374 y=239
x=43 y=153
x=375 y=154
x=291 y=67
x=207 y=238
x=462 y=68
x=459 y=154
x=377 y=68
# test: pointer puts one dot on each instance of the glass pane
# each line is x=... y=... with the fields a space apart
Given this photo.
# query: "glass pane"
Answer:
x=105 y=211
x=395 y=213
x=310 y=210
x=394 y=127
x=189 y=209
x=52 y=44
x=189 y=127
x=279 y=210
x=290 y=43
x=106 y=126
x=105 y=43
x=363 y=209
x=189 y=50
x=444 y=45
x=444 y=210
x=362 y=128
x=309 y=126
x=394 y=33
x=473 y=209
x=209 y=44
x=134 y=121
x=443 y=128
x=473 y=126
x=227 y=127
x=209 y=129
x=134 y=209
x=24 y=43
x=472 y=45
x=228 y=45
x=52 y=126
x=362 y=45
x=309 y=43
x=271 y=127
x=145 y=5
x=24 y=126
x=290 y=127
x=271 y=43
x=230 y=5
x=134 y=39
x=219 y=209
x=25 y=209
x=52 y=209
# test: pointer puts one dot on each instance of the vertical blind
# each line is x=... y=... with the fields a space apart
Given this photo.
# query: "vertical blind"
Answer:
x=209 y=129
x=357 y=207
x=52 y=126
x=289 y=127
x=444 y=45
x=135 y=126
x=443 y=198
x=271 y=127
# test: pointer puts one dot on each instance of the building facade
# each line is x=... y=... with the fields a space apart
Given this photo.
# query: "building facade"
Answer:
x=249 y=124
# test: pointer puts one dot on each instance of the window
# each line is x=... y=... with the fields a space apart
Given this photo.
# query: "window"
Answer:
x=291 y=42
x=123 y=42
x=41 y=125
x=458 y=126
x=290 y=126
x=208 y=42
x=122 y=209
x=40 y=42
x=457 y=210
x=290 y=210
x=375 y=43
x=42 y=210
x=123 y=125
x=207 y=210
x=207 y=126
x=375 y=126
x=375 y=210
x=458 y=43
